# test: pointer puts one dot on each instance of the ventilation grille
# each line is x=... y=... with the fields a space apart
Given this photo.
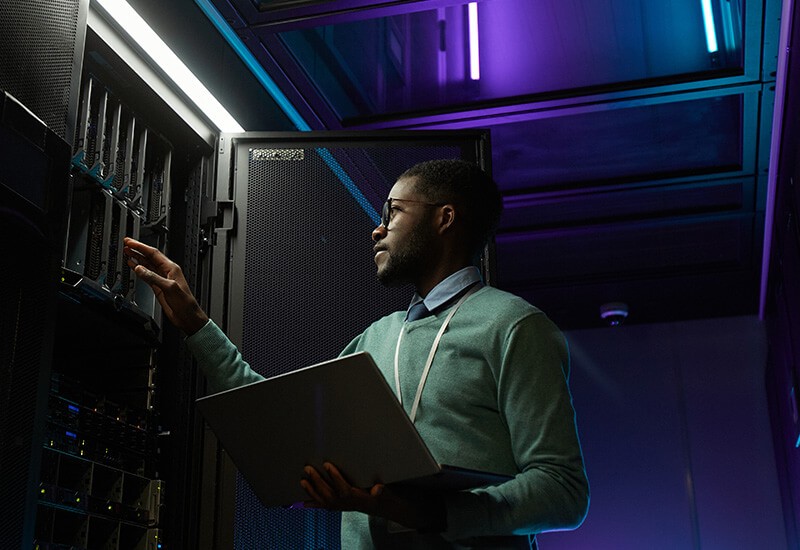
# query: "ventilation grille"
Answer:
x=26 y=296
x=38 y=42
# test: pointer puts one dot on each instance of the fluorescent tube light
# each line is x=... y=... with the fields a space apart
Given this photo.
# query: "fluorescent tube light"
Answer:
x=474 y=50
x=134 y=26
x=708 y=20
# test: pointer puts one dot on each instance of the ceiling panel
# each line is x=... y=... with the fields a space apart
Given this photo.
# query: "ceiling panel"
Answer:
x=422 y=60
x=627 y=202
x=611 y=250
x=635 y=143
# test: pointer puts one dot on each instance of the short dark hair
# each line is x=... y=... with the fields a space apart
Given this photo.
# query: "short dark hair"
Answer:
x=466 y=185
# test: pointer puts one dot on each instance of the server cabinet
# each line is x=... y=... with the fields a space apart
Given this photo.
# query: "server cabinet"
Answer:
x=100 y=484
x=41 y=50
x=294 y=275
x=34 y=183
x=116 y=468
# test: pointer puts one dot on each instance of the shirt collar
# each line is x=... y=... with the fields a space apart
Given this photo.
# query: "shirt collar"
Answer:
x=448 y=288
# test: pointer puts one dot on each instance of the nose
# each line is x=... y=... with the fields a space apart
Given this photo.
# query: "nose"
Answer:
x=379 y=233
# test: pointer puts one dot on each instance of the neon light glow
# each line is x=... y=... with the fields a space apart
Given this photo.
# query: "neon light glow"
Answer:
x=708 y=20
x=474 y=50
x=283 y=102
x=252 y=63
x=134 y=26
x=727 y=26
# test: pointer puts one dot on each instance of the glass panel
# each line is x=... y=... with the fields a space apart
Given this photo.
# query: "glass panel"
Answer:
x=420 y=61
x=638 y=143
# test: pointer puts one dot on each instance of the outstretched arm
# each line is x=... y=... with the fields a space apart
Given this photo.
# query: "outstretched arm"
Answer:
x=169 y=285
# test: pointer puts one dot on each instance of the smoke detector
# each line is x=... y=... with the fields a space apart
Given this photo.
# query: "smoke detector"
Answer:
x=614 y=313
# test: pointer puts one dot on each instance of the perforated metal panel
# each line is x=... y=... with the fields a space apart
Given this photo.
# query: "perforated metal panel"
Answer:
x=303 y=277
x=29 y=268
x=41 y=49
x=26 y=308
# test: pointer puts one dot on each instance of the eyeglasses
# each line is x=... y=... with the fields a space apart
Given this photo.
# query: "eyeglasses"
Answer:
x=386 y=212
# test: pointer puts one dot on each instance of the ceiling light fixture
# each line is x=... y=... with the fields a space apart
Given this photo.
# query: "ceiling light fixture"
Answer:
x=474 y=50
x=708 y=21
x=154 y=47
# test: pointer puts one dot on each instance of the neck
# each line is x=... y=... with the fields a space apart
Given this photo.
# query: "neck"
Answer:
x=429 y=280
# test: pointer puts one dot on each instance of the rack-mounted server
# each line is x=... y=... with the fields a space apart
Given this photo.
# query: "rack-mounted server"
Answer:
x=100 y=484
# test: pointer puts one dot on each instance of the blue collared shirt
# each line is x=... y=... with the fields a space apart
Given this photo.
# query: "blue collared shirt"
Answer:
x=448 y=288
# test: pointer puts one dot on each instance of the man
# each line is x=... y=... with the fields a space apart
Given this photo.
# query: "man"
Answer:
x=482 y=373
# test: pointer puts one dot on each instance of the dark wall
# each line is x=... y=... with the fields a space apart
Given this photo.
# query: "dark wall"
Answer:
x=783 y=304
x=674 y=425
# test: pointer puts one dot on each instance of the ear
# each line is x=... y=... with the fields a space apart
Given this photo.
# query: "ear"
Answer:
x=446 y=219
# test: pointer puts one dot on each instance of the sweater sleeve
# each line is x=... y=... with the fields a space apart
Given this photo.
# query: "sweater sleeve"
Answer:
x=551 y=491
x=219 y=359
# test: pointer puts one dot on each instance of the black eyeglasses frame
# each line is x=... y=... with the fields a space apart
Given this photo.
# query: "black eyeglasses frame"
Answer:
x=386 y=211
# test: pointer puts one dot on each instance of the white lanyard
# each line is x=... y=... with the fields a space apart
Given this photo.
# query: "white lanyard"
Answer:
x=429 y=362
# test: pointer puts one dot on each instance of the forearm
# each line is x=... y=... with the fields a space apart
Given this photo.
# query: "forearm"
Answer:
x=219 y=359
x=534 y=501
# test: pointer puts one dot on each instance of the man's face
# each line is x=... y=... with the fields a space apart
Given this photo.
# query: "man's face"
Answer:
x=403 y=250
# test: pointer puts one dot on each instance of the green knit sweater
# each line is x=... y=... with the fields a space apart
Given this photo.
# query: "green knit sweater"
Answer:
x=496 y=399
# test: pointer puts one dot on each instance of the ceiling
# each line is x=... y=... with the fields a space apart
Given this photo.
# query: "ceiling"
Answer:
x=631 y=151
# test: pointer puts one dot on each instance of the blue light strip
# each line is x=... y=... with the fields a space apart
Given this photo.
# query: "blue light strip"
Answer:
x=711 y=32
x=283 y=102
x=252 y=63
x=349 y=185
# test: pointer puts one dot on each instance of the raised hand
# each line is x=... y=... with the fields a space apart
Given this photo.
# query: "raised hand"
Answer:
x=169 y=285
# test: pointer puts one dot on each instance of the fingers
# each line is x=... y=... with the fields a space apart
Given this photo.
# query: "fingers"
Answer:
x=317 y=488
x=150 y=265
x=169 y=285
x=151 y=257
x=153 y=279
x=145 y=250
x=336 y=493
x=340 y=484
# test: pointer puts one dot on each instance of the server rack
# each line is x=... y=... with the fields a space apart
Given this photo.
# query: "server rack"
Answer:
x=98 y=433
x=100 y=483
x=33 y=191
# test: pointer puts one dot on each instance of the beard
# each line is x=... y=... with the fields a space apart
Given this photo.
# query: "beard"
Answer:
x=407 y=262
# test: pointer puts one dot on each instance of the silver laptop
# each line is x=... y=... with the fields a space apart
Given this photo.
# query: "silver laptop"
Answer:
x=341 y=411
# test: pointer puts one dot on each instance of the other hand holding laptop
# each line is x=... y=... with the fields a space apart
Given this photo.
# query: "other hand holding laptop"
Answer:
x=412 y=508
